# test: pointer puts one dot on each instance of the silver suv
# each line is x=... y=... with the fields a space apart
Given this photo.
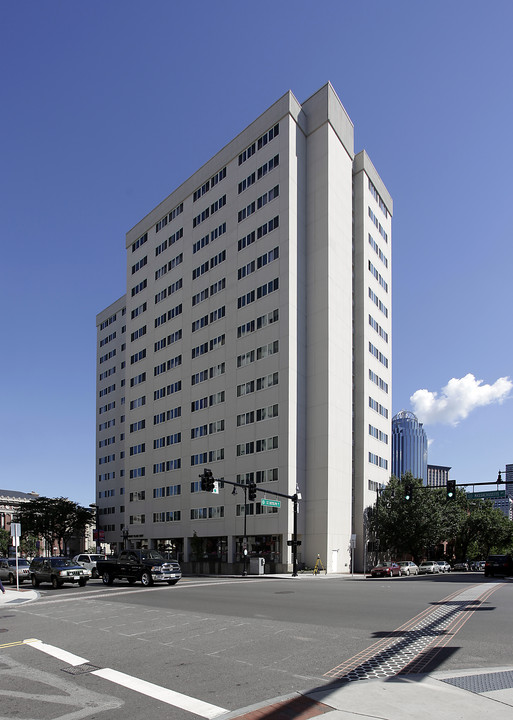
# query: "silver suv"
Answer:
x=8 y=570
x=89 y=560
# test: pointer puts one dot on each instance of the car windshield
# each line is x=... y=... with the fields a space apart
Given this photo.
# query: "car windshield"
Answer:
x=151 y=555
x=94 y=558
x=427 y=562
x=62 y=562
x=386 y=564
x=21 y=562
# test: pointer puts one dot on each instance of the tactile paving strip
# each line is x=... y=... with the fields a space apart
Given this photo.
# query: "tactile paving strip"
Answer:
x=483 y=683
x=432 y=627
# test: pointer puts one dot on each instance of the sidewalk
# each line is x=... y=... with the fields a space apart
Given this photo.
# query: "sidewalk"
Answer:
x=450 y=695
x=17 y=597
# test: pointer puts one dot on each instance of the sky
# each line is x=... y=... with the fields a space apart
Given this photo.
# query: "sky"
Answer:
x=108 y=106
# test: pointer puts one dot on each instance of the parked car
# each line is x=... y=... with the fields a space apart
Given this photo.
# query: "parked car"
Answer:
x=444 y=566
x=498 y=565
x=408 y=567
x=477 y=565
x=89 y=561
x=57 y=571
x=429 y=566
x=8 y=570
x=148 y=566
x=386 y=569
x=460 y=566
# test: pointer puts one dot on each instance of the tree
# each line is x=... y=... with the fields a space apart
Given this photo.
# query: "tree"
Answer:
x=56 y=520
x=483 y=528
x=409 y=518
x=5 y=541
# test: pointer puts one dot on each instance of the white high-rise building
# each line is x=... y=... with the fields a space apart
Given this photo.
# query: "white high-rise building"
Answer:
x=254 y=340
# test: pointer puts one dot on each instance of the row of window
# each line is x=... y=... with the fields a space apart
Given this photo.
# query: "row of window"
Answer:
x=207 y=429
x=107 y=322
x=108 y=356
x=260 y=292
x=208 y=319
x=260 y=262
x=140 y=264
x=378 y=354
x=261 y=352
x=258 y=203
x=209 y=264
x=378 y=277
x=208 y=211
x=378 y=381
x=379 y=461
x=259 y=174
x=208 y=373
x=169 y=266
x=374 y=245
x=167 y=390
x=107 y=339
x=107 y=373
x=375 y=405
x=380 y=227
x=168 y=340
x=169 y=217
x=259 y=144
x=377 y=302
x=260 y=232
x=375 y=194
x=139 y=310
x=214 y=180
x=209 y=238
x=377 y=327
x=178 y=235
x=378 y=434
x=139 y=242
x=170 y=290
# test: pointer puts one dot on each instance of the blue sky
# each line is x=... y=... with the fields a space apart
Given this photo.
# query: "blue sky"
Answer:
x=107 y=107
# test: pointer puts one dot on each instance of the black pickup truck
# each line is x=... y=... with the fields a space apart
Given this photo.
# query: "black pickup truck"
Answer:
x=148 y=566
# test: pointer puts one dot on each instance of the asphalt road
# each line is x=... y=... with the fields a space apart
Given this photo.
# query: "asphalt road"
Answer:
x=225 y=642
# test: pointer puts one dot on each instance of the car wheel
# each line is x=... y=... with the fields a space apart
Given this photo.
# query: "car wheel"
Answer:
x=82 y=582
x=12 y=581
x=35 y=581
x=408 y=571
x=94 y=573
x=56 y=583
x=107 y=579
x=172 y=582
x=146 y=579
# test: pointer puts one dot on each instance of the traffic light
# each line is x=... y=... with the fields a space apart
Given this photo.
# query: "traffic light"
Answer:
x=207 y=480
x=451 y=489
x=252 y=491
x=408 y=492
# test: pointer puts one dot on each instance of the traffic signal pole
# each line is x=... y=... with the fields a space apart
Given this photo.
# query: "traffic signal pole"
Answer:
x=207 y=484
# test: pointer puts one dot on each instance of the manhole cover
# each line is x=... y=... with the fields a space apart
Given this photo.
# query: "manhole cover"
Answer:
x=79 y=669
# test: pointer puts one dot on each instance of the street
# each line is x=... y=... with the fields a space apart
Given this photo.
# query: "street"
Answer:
x=208 y=646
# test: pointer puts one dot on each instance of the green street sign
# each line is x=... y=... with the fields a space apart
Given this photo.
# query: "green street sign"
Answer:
x=270 y=503
x=488 y=494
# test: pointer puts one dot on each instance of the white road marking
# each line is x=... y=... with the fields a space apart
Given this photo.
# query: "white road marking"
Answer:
x=171 y=697
x=198 y=707
x=55 y=652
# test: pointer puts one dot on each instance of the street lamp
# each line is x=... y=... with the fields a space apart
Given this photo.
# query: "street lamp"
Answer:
x=125 y=533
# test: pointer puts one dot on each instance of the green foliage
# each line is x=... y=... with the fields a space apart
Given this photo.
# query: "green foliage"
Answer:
x=415 y=527
x=5 y=541
x=56 y=520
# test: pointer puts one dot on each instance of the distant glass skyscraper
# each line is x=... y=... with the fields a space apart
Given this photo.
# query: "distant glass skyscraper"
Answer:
x=409 y=446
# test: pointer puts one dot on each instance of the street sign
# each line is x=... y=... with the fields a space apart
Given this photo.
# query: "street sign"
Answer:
x=488 y=494
x=270 y=503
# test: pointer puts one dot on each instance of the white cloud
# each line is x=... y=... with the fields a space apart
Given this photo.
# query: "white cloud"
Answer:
x=458 y=399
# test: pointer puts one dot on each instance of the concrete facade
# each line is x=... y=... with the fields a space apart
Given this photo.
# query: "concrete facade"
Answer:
x=255 y=340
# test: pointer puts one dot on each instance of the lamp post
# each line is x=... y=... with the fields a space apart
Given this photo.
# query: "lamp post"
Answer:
x=125 y=533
